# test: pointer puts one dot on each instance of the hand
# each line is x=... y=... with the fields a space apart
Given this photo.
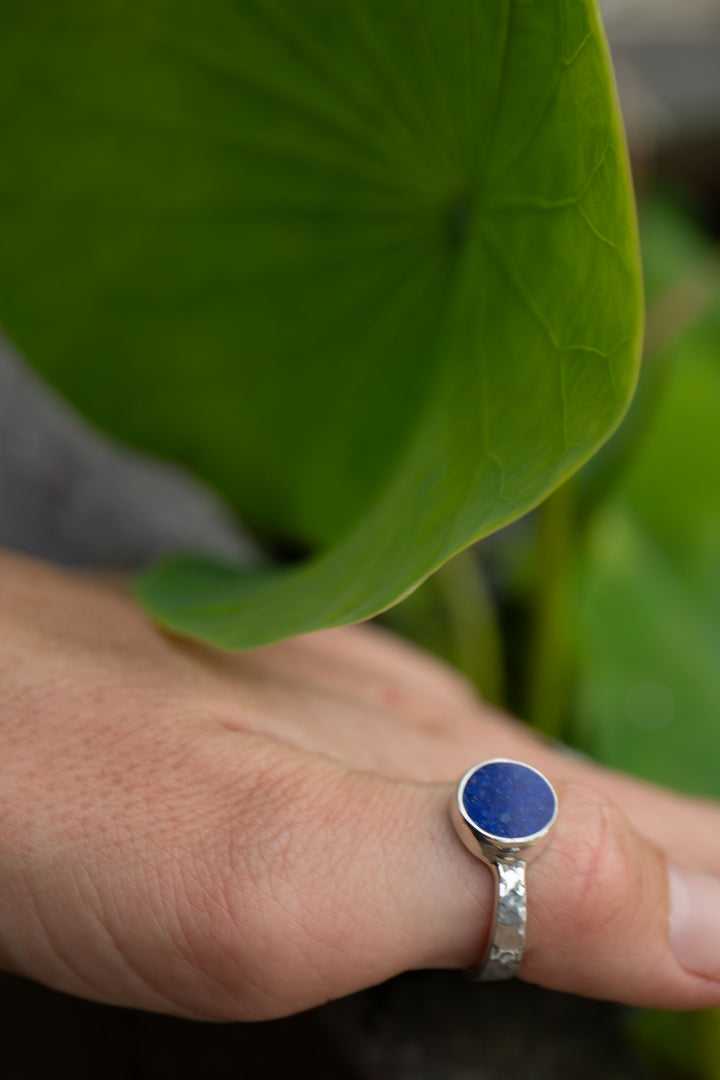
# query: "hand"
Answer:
x=242 y=837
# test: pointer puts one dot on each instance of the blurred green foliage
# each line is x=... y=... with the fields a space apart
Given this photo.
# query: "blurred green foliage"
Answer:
x=369 y=269
x=681 y=1046
x=649 y=589
x=648 y=573
x=646 y=616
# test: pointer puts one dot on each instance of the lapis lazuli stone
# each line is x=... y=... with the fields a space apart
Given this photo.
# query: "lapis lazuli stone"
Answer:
x=508 y=799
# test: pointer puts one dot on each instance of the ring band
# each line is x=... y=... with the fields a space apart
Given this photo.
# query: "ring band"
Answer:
x=502 y=808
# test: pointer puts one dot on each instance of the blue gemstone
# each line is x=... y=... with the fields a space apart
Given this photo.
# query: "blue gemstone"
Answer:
x=508 y=799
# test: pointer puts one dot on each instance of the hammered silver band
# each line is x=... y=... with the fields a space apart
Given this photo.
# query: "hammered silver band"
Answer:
x=509 y=922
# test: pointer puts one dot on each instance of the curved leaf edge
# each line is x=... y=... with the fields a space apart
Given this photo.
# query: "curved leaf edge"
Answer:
x=228 y=624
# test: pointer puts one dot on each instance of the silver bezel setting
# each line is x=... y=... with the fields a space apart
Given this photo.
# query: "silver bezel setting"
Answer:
x=487 y=845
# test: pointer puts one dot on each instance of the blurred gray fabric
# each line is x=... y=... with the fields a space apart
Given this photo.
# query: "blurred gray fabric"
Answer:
x=69 y=494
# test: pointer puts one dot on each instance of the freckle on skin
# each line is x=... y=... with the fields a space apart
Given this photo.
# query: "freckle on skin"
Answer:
x=392 y=698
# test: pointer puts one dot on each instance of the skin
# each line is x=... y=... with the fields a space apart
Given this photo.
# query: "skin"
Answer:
x=243 y=837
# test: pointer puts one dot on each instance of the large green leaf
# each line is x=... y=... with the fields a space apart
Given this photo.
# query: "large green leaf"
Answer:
x=369 y=268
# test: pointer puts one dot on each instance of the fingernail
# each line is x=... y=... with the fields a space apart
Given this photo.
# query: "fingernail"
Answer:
x=695 y=920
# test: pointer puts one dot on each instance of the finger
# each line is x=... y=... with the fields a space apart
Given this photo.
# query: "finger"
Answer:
x=686 y=828
x=393 y=889
x=330 y=717
x=429 y=722
x=424 y=741
x=244 y=880
x=360 y=665
x=601 y=917
x=328 y=702
x=390 y=667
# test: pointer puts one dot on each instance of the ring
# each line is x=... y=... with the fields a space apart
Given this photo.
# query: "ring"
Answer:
x=502 y=808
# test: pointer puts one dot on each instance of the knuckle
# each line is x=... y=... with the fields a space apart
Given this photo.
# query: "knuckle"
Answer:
x=600 y=878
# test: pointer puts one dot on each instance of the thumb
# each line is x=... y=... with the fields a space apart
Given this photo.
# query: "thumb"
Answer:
x=381 y=883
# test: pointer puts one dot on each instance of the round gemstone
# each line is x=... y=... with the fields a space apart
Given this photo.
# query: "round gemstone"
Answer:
x=509 y=800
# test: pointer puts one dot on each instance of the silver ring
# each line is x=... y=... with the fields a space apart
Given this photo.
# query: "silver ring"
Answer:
x=502 y=808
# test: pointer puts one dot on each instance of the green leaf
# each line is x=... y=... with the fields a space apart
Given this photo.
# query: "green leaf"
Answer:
x=368 y=268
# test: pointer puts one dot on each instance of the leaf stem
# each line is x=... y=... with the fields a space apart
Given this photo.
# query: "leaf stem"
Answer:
x=551 y=654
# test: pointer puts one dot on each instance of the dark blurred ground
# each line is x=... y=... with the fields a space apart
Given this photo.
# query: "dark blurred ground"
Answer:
x=424 y=1026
